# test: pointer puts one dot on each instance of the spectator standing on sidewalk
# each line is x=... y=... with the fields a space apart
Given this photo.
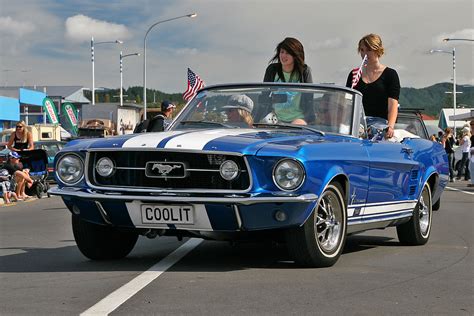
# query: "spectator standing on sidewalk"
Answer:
x=448 y=143
x=163 y=119
x=21 y=139
x=471 y=160
x=465 y=143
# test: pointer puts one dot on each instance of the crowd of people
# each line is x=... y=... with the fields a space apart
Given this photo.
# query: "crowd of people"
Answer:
x=466 y=142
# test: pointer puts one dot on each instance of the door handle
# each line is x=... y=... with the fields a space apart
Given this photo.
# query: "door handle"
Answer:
x=407 y=150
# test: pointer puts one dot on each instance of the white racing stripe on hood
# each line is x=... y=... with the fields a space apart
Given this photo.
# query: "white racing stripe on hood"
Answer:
x=148 y=140
x=199 y=139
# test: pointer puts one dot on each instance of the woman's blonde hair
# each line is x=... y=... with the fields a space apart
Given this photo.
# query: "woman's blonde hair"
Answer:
x=372 y=42
x=24 y=135
x=246 y=116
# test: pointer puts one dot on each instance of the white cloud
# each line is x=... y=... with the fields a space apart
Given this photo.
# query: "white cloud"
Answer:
x=81 y=28
x=14 y=27
x=332 y=43
x=187 y=51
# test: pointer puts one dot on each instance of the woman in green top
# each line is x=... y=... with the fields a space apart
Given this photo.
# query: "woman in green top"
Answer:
x=288 y=66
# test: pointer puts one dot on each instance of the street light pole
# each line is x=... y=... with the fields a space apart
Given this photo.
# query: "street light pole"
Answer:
x=93 y=66
x=458 y=39
x=454 y=80
x=192 y=15
x=121 y=73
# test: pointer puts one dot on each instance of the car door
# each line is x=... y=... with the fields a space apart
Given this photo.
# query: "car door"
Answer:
x=392 y=180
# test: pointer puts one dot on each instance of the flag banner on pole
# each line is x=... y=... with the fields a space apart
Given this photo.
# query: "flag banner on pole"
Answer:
x=357 y=72
x=50 y=109
x=194 y=85
x=71 y=114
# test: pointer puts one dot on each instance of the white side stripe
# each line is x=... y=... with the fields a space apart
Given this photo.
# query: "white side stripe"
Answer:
x=388 y=208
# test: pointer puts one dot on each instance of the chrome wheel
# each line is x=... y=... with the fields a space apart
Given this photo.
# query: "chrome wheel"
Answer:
x=320 y=241
x=424 y=212
x=328 y=224
x=417 y=230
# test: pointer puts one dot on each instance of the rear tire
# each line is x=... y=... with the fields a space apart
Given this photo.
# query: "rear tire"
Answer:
x=39 y=190
x=99 y=242
x=320 y=241
x=417 y=230
x=437 y=205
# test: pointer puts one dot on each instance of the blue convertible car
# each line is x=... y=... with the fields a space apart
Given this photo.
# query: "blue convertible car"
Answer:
x=298 y=162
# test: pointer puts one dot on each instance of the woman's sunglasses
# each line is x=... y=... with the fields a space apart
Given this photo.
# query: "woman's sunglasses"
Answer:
x=19 y=126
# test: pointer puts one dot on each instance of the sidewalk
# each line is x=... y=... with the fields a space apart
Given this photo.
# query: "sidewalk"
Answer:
x=31 y=199
x=461 y=185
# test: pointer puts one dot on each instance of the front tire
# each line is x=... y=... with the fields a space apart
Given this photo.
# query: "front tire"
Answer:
x=320 y=241
x=417 y=230
x=99 y=242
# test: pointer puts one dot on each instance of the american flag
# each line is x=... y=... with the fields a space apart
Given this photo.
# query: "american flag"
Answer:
x=194 y=85
x=357 y=72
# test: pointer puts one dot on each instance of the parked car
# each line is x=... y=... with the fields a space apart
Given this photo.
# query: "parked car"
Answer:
x=215 y=177
x=412 y=121
x=52 y=148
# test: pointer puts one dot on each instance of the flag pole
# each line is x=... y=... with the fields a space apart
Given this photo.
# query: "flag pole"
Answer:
x=356 y=77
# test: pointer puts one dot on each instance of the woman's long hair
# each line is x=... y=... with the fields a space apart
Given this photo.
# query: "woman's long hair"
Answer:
x=295 y=49
x=246 y=116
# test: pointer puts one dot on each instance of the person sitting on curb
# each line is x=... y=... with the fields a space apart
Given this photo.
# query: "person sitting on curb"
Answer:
x=21 y=176
x=6 y=187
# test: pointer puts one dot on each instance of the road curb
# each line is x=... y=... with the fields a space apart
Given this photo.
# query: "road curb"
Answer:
x=2 y=201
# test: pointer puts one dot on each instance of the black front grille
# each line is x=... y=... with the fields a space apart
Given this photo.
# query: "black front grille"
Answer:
x=168 y=170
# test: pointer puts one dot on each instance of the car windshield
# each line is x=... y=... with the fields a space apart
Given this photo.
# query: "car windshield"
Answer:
x=323 y=109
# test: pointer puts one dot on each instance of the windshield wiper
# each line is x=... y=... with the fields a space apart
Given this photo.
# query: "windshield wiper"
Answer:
x=280 y=125
x=208 y=123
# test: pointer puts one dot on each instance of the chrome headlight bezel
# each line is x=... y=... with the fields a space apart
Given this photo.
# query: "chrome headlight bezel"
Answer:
x=278 y=178
x=225 y=167
x=79 y=165
x=104 y=162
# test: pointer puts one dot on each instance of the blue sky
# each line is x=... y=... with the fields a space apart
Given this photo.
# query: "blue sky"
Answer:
x=47 y=42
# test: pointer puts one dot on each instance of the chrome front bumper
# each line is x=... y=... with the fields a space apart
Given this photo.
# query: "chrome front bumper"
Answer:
x=171 y=197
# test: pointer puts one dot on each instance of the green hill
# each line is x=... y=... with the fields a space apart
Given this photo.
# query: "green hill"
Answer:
x=433 y=98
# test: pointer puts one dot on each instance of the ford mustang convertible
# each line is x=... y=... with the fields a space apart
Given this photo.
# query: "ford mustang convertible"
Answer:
x=298 y=163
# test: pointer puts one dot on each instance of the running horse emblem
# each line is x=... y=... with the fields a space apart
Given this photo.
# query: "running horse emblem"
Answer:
x=164 y=169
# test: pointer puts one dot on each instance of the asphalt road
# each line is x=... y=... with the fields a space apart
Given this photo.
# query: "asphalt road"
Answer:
x=43 y=273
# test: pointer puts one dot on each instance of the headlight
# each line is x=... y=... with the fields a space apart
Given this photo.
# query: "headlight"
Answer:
x=288 y=174
x=70 y=169
x=105 y=167
x=229 y=170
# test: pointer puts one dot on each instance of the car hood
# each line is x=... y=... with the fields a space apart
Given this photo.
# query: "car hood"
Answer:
x=244 y=141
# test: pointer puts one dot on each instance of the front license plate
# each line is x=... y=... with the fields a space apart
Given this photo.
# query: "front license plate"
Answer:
x=167 y=214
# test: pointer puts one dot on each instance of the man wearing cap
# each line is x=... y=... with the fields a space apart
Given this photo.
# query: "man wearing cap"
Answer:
x=20 y=175
x=239 y=110
x=163 y=119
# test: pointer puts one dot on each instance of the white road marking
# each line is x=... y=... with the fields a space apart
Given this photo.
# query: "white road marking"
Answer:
x=455 y=189
x=109 y=303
